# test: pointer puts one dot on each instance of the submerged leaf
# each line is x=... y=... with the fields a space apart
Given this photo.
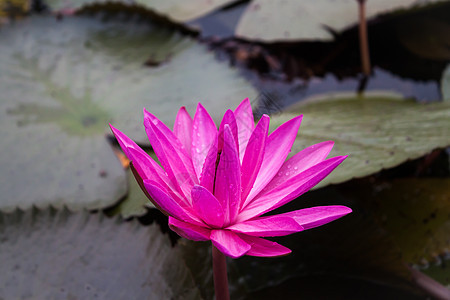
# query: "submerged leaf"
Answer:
x=416 y=214
x=61 y=255
x=354 y=249
x=376 y=133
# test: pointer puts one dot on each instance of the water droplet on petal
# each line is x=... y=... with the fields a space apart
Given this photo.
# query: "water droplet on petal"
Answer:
x=288 y=166
x=287 y=173
x=295 y=168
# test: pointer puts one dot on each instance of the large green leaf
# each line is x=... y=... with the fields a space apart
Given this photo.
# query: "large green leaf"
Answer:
x=176 y=10
x=269 y=21
x=61 y=255
x=59 y=90
x=376 y=133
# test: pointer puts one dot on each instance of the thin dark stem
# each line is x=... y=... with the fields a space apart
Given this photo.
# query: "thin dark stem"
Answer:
x=363 y=38
x=220 y=275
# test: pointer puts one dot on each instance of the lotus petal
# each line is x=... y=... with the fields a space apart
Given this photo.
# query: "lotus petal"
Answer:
x=278 y=146
x=208 y=208
x=278 y=225
x=189 y=231
x=229 y=243
x=204 y=133
x=290 y=189
x=183 y=129
x=264 y=248
x=317 y=216
x=253 y=157
x=227 y=187
x=245 y=124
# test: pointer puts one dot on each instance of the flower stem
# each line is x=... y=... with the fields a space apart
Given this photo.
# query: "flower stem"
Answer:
x=363 y=38
x=220 y=275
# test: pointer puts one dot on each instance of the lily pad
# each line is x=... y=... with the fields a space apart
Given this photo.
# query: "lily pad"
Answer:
x=287 y=20
x=136 y=203
x=415 y=212
x=425 y=37
x=59 y=90
x=353 y=248
x=63 y=255
x=176 y=10
x=337 y=287
x=376 y=133
x=198 y=258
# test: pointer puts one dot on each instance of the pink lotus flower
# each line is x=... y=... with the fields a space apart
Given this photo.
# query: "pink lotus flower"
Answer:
x=216 y=184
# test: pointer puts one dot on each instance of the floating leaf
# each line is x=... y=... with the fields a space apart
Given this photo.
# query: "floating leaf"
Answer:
x=376 y=133
x=337 y=287
x=61 y=255
x=416 y=214
x=354 y=249
x=59 y=90
x=136 y=203
x=198 y=258
x=270 y=21
x=425 y=37
x=176 y=10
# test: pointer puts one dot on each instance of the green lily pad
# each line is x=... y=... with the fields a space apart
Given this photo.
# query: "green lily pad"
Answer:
x=376 y=133
x=136 y=203
x=59 y=90
x=270 y=21
x=62 y=255
x=175 y=10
